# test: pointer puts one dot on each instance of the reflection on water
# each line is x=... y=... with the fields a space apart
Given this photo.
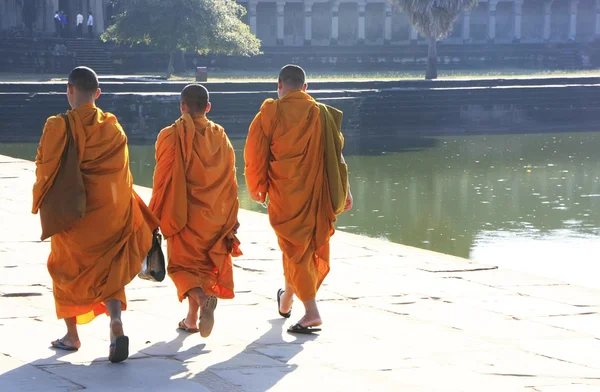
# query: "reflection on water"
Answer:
x=524 y=201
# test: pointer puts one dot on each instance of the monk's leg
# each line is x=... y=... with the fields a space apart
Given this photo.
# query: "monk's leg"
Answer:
x=286 y=299
x=311 y=318
x=191 y=320
x=71 y=339
x=114 y=307
x=207 y=310
x=119 y=343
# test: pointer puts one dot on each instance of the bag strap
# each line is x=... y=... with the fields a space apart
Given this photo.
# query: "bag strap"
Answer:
x=65 y=117
x=274 y=124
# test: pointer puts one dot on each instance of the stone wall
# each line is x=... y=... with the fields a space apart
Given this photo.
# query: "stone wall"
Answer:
x=409 y=57
x=35 y=56
x=265 y=23
x=533 y=30
x=321 y=25
x=400 y=27
x=393 y=109
x=375 y=13
x=54 y=56
x=560 y=22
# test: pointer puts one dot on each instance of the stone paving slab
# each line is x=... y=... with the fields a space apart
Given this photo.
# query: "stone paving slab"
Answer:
x=16 y=375
x=584 y=323
x=158 y=374
x=395 y=319
x=574 y=387
x=506 y=278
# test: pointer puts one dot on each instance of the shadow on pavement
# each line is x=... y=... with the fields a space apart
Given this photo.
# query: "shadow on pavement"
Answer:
x=260 y=365
x=258 y=375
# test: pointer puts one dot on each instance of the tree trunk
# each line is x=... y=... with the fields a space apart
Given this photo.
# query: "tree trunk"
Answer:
x=432 y=60
x=170 y=66
x=182 y=58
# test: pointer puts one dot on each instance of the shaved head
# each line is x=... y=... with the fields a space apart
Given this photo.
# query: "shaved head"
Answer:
x=84 y=80
x=195 y=96
x=292 y=76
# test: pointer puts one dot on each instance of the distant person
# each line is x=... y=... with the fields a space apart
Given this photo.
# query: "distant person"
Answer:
x=79 y=25
x=90 y=25
x=63 y=22
x=92 y=262
x=294 y=160
x=57 y=24
x=195 y=198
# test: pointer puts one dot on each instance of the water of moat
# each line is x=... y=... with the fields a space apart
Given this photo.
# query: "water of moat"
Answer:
x=528 y=202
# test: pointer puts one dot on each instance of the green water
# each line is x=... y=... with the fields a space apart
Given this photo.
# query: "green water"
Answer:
x=529 y=202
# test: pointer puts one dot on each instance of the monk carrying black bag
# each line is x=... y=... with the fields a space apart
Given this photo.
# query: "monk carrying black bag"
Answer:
x=153 y=266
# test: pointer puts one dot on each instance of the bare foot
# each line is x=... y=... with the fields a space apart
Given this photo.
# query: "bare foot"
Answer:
x=207 y=316
x=190 y=323
x=310 y=321
x=69 y=343
x=119 y=343
x=306 y=325
x=191 y=320
x=116 y=329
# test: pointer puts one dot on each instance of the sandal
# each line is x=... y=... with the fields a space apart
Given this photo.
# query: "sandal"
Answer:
x=119 y=350
x=183 y=327
x=207 y=317
x=59 y=345
x=284 y=315
x=300 y=329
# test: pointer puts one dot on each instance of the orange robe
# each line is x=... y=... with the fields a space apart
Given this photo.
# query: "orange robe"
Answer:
x=195 y=198
x=285 y=158
x=96 y=258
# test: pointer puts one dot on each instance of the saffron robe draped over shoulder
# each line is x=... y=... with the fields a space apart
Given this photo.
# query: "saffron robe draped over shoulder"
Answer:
x=98 y=256
x=195 y=198
x=285 y=158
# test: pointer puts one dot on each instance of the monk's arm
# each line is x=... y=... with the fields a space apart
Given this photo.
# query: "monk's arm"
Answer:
x=349 y=198
x=256 y=156
x=47 y=161
x=165 y=156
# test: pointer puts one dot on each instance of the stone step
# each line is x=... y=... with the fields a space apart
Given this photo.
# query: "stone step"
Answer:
x=91 y=53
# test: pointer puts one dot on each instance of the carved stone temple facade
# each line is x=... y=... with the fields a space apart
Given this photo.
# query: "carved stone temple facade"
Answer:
x=377 y=22
x=12 y=14
x=295 y=23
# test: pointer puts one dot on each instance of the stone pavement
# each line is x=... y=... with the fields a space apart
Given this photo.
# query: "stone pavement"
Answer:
x=395 y=319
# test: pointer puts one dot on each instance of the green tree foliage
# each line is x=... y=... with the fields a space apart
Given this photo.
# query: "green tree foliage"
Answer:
x=203 y=26
x=434 y=19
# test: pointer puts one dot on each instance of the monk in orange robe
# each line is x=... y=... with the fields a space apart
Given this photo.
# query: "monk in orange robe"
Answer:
x=91 y=262
x=195 y=198
x=285 y=158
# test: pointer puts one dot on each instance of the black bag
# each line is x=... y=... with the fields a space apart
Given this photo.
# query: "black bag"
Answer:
x=153 y=267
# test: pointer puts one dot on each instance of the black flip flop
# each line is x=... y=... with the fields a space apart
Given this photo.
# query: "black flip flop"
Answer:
x=119 y=350
x=284 y=315
x=300 y=329
x=59 y=345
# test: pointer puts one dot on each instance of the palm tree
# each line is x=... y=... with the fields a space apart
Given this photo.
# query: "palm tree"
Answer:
x=434 y=20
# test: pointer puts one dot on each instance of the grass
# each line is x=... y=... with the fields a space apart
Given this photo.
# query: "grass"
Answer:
x=249 y=76
x=17 y=77
x=261 y=76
